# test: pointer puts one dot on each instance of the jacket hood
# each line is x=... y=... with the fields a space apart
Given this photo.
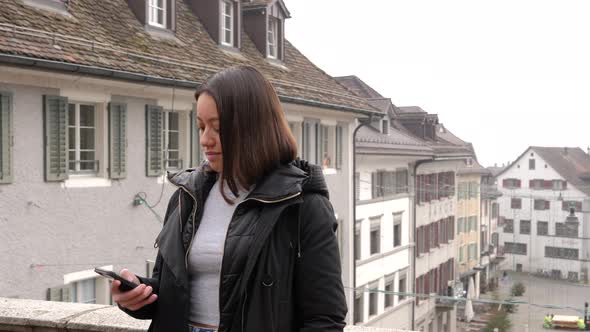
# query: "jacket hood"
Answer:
x=298 y=176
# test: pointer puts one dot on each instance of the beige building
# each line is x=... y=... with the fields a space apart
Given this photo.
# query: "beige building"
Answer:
x=468 y=242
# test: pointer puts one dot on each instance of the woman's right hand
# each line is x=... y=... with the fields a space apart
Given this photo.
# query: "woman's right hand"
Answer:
x=136 y=298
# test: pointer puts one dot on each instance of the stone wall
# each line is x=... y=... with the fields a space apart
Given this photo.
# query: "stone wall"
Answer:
x=33 y=315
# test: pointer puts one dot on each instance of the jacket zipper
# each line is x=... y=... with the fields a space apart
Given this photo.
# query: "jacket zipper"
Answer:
x=193 y=230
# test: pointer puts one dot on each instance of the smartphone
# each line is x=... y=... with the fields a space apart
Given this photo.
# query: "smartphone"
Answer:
x=125 y=286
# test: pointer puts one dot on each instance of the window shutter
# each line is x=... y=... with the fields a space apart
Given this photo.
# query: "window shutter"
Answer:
x=518 y=183
x=373 y=185
x=564 y=184
x=117 y=140
x=196 y=156
x=154 y=127
x=339 y=147
x=55 y=116
x=547 y=205
x=6 y=137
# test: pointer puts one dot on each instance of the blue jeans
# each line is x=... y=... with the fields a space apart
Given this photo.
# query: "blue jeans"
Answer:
x=199 y=329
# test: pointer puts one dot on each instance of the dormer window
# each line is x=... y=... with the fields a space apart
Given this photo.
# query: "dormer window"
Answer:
x=157 y=13
x=264 y=21
x=227 y=23
x=273 y=34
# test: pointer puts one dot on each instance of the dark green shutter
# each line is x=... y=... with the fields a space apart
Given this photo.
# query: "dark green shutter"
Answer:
x=196 y=156
x=55 y=116
x=117 y=140
x=154 y=140
x=339 y=147
x=5 y=137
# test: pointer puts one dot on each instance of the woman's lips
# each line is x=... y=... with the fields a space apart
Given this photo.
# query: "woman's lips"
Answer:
x=213 y=155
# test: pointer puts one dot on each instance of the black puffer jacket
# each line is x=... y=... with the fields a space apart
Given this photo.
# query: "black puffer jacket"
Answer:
x=281 y=266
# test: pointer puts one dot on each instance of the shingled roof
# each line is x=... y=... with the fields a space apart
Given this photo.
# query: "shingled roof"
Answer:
x=98 y=37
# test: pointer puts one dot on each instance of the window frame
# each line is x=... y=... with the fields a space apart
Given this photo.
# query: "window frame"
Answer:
x=545 y=226
x=166 y=131
x=153 y=8
x=223 y=17
x=77 y=138
x=272 y=37
x=375 y=246
x=397 y=236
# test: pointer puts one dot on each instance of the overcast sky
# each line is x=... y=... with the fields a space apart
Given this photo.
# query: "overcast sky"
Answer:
x=503 y=75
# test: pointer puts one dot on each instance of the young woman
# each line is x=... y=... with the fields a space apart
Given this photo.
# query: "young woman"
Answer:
x=248 y=240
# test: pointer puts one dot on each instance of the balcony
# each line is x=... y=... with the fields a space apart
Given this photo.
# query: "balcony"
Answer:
x=33 y=315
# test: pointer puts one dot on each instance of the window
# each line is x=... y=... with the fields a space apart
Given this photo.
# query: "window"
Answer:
x=541 y=204
x=85 y=291
x=525 y=227
x=495 y=210
x=511 y=183
x=357 y=185
x=157 y=13
x=387 y=183
x=397 y=229
x=542 y=228
x=472 y=224
x=495 y=239
x=531 y=164
x=566 y=229
x=324 y=151
x=402 y=287
x=516 y=203
x=227 y=22
x=171 y=135
x=82 y=138
x=460 y=223
x=461 y=253
x=373 y=300
x=375 y=236
x=6 y=137
x=472 y=251
x=273 y=37
x=562 y=253
x=508 y=226
x=385 y=127
x=389 y=293
x=538 y=184
x=320 y=143
x=431 y=236
x=559 y=185
x=358 y=306
x=566 y=205
x=357 y=240
x=515 y=248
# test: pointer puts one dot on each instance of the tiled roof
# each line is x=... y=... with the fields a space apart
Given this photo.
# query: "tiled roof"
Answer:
x=573 y=164
x=410 y=109
x=358 y=87
x=107 y=35
x=369 y=134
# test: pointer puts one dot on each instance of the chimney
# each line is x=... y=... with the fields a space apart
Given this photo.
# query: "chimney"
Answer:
x=565 y=151
x=495 y=164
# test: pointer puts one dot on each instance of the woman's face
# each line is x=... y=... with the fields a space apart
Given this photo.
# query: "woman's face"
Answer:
x=208 y=122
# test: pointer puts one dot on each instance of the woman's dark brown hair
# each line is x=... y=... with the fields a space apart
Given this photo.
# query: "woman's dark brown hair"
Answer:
x=255 y=136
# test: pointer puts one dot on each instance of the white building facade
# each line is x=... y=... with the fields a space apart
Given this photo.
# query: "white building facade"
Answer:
x=543 y=211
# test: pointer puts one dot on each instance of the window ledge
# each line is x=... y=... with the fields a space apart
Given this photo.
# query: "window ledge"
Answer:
x=49 y=5
x=277 y=63
x=86 y=182
x=163 y=33
x=330 y=171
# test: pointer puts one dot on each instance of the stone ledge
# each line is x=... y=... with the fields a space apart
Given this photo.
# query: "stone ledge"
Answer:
x=33 y=315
